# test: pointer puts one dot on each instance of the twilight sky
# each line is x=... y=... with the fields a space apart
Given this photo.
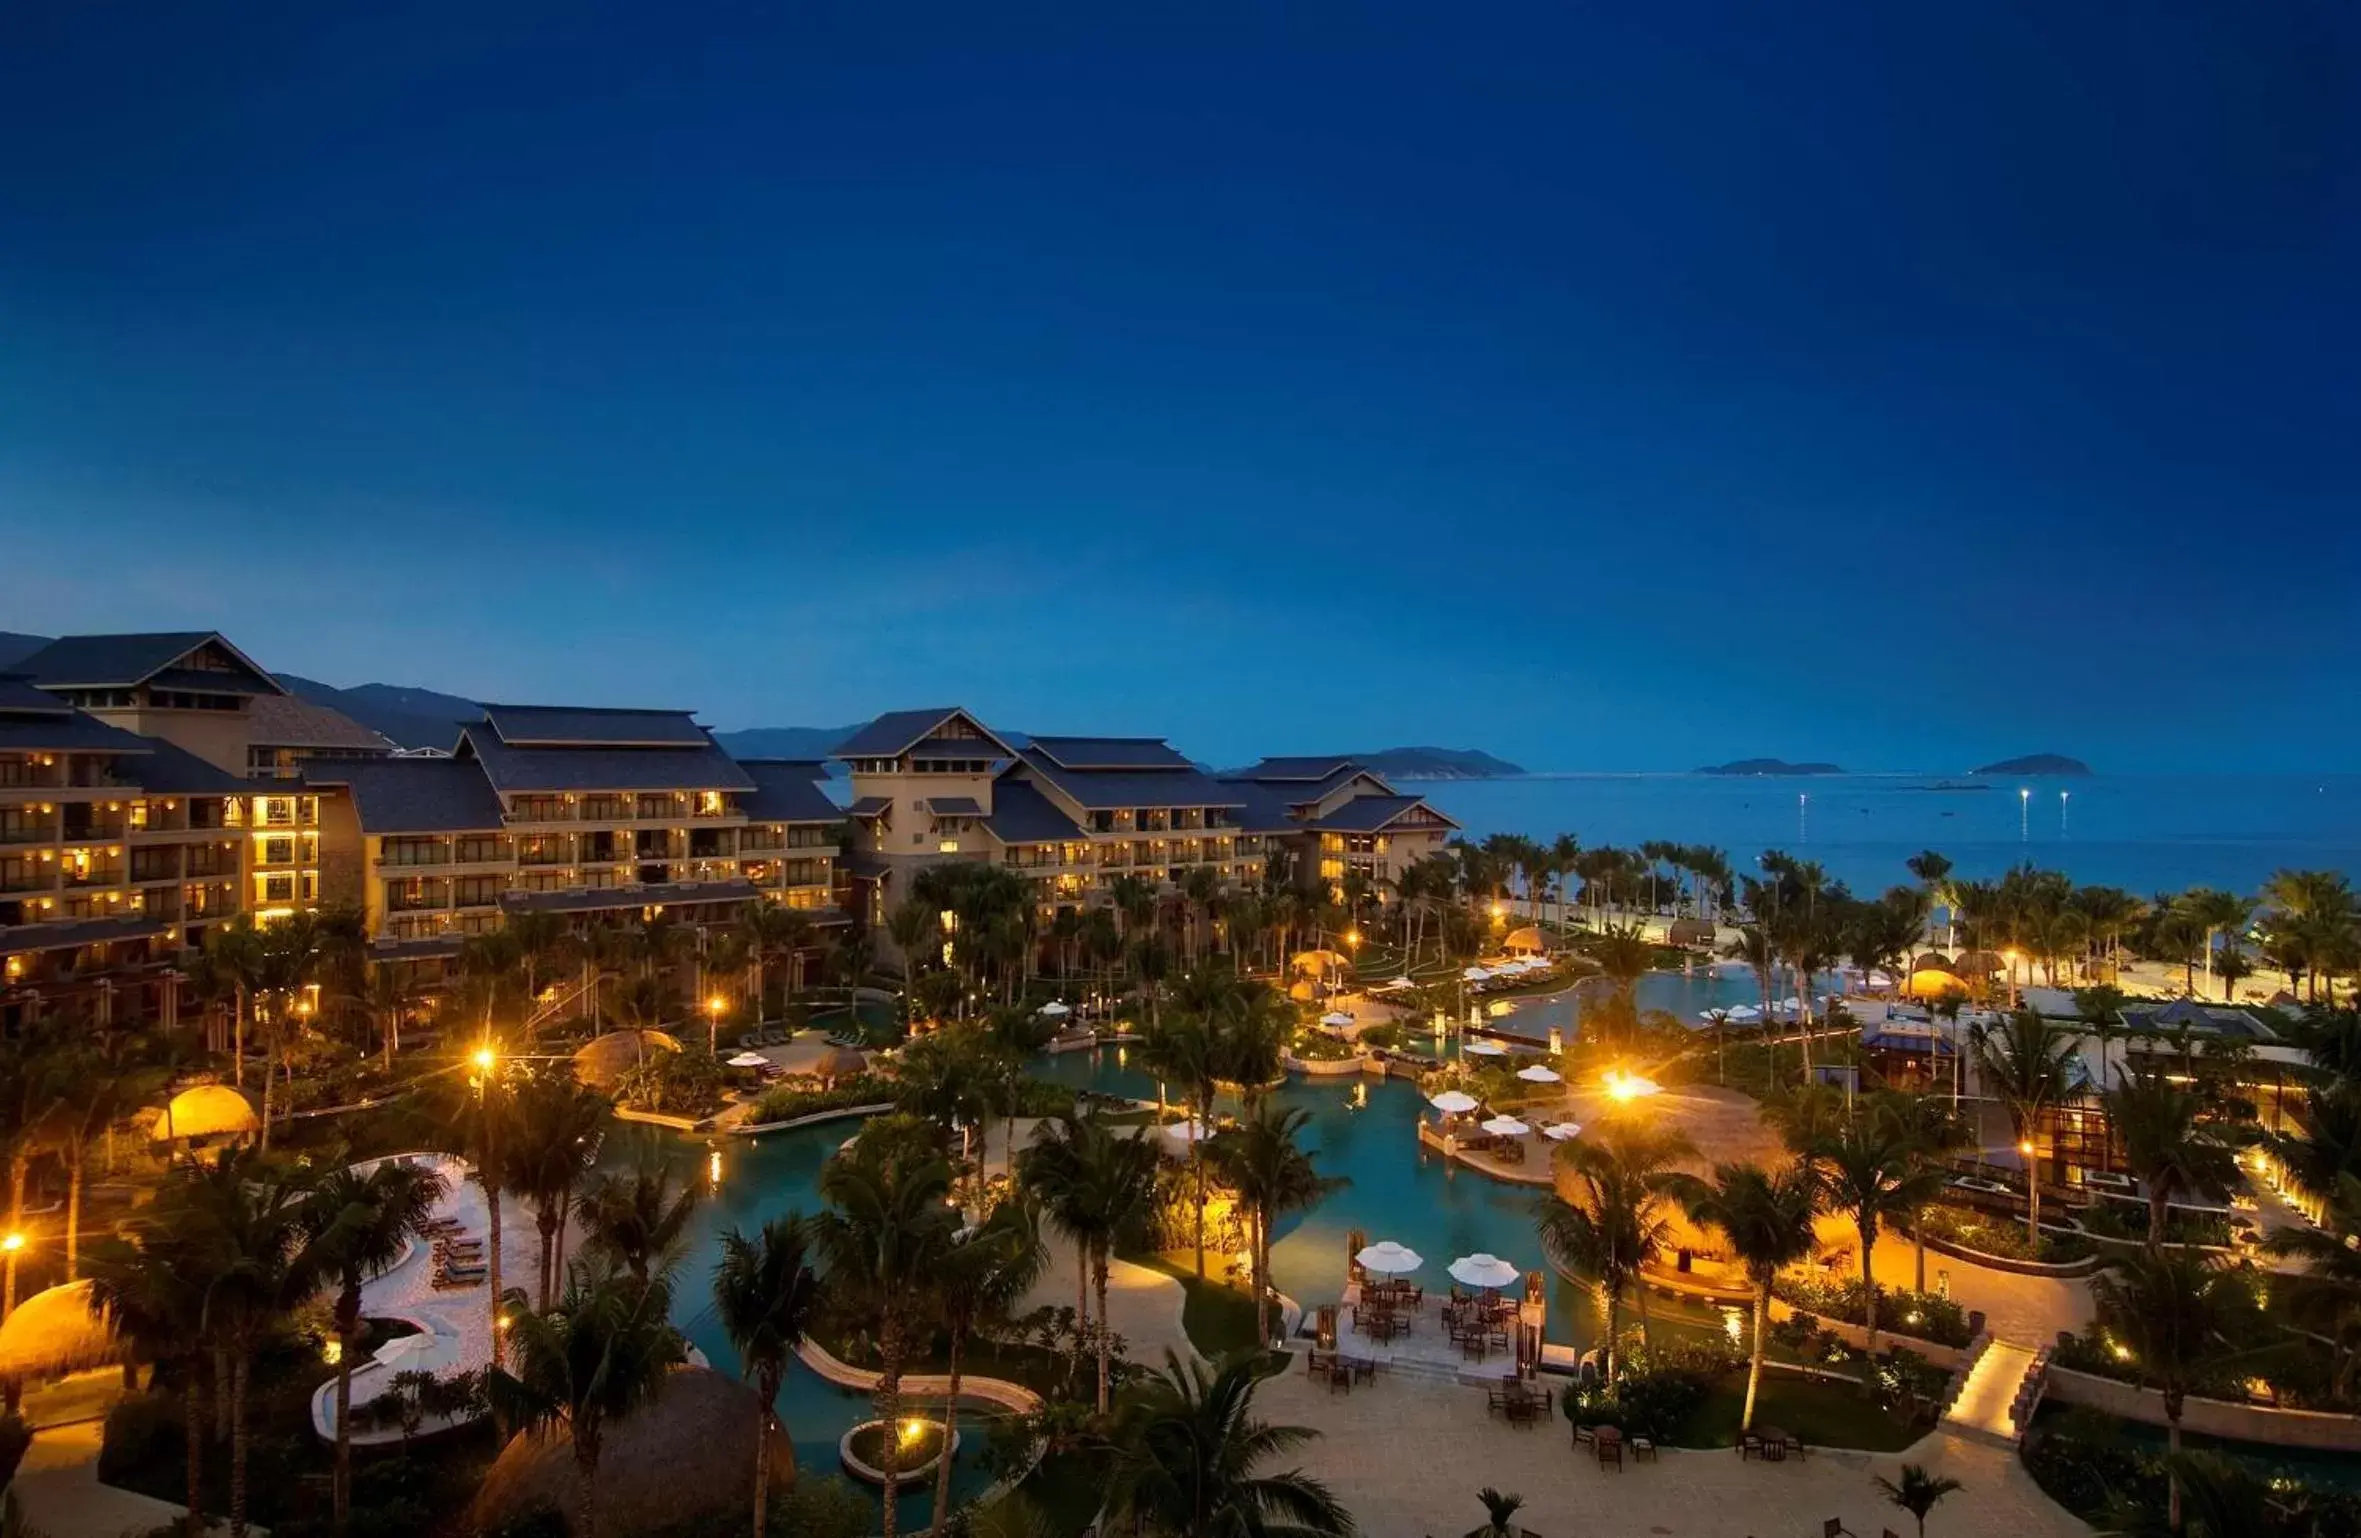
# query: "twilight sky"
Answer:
x=1898 y=384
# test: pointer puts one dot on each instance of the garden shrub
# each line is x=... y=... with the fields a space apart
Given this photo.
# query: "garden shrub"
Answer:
x=791 y=1100
x=1924 y=1315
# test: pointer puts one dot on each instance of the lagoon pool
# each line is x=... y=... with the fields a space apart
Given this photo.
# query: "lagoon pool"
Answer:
x=1685 y=996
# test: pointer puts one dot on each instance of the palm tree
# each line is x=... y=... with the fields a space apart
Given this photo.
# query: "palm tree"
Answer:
x=1187 y=1051
x=548 y=1148
x=2022 y=1063
x=766 y=1296
x=1766 y=1217
x=154 y=1298
x=1187 y=1451
x=1930 y=1130
x=989 y=1267
x=1934 y=878
x=1624 y=956
x=1620 y=1223
x=1263 y=1162
x=1871 y=1176
x=772 y=930
x=2181 y=1319
x=887 y=1231
x=392 y=997
x=2219 y=1499
x=1918 y=1491
x=602 y=1352
x=2169 y=1144
x=637 y=1220
x=1096 y=1183
x=233 y=952
x=358 y=1227
x=1499 y=1514
x=477 y=1111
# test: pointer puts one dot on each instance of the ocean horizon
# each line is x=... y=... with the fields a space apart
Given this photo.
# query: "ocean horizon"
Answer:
x=2143 y=832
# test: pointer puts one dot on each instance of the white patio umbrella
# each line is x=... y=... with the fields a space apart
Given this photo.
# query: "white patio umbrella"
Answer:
x=1481 y=1270
x=1559 y=1131
x=1398 y=983
x=1746 y=1012
x=1506 y=1126
x=1879 y=980
x=749 y=1060
x=408 y=1351
x=1389 y=1259
x=1538 y=1075
x=1486 y=1048
x=1055 y=1010
x=1453 y=1102
x=1190 y=1131
x=1476 y=975
x=1339 y=1017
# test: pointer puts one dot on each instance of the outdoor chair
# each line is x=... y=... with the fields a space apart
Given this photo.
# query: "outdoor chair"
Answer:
x=1749 y=1445
x=1610 y=1450
x=1643 y=1447
x=1583 y=1435
x=1363 y=1368
x=1832 y=1528
x=1319 y=1364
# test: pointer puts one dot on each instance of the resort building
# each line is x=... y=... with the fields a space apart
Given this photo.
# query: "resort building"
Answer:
x=605 y=815
x=1339 y=819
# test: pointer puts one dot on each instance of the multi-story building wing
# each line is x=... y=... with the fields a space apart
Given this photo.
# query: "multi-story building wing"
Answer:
x=787 y=849
x=283 y=734
x=1338 y=818
x=117 y=853
x=192 y=688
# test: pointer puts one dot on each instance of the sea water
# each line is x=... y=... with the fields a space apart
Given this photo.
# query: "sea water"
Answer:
x=2145 y=833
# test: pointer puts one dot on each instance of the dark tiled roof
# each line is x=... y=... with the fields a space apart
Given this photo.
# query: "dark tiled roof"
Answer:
x=529 y=726
x=787 y=790
x=214 y=681
x=174 y=770
x=870 y=806
x=1367 y=814
x=945 y=749
x=414 y=795
x=954 y=806
x=511 y=768
x=1111 y=753
x=73 y=732
x=1023 y=815
x=119 y=661
x=898 y=731
x=283 y=721
x=18 y=697
x=1291 y=769
x=19 y=939
x=1099 y=788
x=1263 y=809
x=627 y=896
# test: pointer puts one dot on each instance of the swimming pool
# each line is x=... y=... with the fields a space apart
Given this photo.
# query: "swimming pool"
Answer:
x=1685 y=996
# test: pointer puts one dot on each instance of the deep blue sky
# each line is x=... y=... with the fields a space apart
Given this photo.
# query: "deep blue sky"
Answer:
x=1897 y=384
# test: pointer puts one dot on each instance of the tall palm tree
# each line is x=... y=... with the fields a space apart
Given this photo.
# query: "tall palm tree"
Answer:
x=772 y=931
x=1263 y=1161
x=2023 y=1064
x=153 y=1296
x=637 y=1221
x=477 y=1111
x=887 y=1230
x=601 y=1352
x=1186 y=1050
x=1096 y=1183
x=357 y=1227
x=1931 y=1131
x=766 y=1296
x=2169 y=1144
x=1621 y=1221
x=1766 y=1218
x=1934 y=878
x=1871 y=1175
x=392 y=998
x=548 y=1146
x=1188 y=1450
x=2181 y=1318
x=1917 y=1491
x=977 y=1285
x=233 y=952
x=1624 y=957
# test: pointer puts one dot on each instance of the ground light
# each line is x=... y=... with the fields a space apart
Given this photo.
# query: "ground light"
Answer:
x=13 y=1246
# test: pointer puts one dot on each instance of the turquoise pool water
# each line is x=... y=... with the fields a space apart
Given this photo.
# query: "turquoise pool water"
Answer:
x=1684 y=996
x=761 y=1178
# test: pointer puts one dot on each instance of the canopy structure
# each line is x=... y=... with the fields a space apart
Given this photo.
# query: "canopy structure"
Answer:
x=1560 y=1131
x=1506 y=1126
x=1453 y=1102
x=57 y=1331
x=1526 y=940
x=1482 y=1270
x=1397 y=984
x=1932 y=983
x=1319 y=961
x=1744 y=1014
x=841 y=1063
x=1477 y=975
x=1538 y=1075
x=207 y=1110
x=1486 y=1048
x=1389 y=1259
x=1932 y=961
x=1190 y=1131
x=604 y=1060
x=1055 y=1010
x=1336 y=1017
x=1979 y=964
x=1689 y=932
x=749 y=1060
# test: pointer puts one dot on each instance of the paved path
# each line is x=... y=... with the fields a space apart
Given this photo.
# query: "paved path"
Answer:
x=1408 y=1459
x=1988 y=1400
x=58 y=1490
x=1145 y=1305
x=2029 y=1310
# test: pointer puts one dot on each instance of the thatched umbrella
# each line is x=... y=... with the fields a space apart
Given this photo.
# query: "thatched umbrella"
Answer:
x=1690 y=932
x=1933 y=961
x=606 y=1059
x=56 y=1332
x=841 y=1063
x=1978 y=964
x=1523 y=942
x=208 y=1110
x=677 y=1465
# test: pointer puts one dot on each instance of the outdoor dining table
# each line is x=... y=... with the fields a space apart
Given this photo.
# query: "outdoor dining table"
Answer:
x=1609 y=1442
x=1774 y=1443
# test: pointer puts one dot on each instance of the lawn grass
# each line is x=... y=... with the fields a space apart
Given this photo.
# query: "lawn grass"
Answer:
x=1218 y=1317
x=1822 y=1411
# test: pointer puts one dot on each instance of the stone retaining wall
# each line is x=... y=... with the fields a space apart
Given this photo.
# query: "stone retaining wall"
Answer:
x=2317 y=1429
x=813 y=1120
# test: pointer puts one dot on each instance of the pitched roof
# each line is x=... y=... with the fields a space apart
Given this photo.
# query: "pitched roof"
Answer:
x=788 y=790
x=1263 y=808
x=1268 y=770
x=1367 y=814
x=511 y=768
x=953 y=806
x=1023 y=815
x=544 y=726
x=413 y=795
x=870 y=806
x=173 y=770
x=34 y=722
x=1111 y=753
x=283 y=721
x=18 y=697
x=898 y=731
x=1109 y=788
x=119 y=661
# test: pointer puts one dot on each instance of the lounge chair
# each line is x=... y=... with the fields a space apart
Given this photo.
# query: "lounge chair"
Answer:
x=1832 y=1528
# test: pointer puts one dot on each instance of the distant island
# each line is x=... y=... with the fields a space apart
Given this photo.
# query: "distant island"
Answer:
x=2036 y=763
x=1768 y=766
x=1436 y=764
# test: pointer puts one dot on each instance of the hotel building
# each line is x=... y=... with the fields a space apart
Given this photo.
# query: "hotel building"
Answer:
x=1340 y=819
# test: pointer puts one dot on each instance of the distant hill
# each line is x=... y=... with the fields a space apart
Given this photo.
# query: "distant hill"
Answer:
x=15 y=648
x=415 y=718
x=1745 y=766
x=2037 y=763
x=784 y=741
x=1436 y=764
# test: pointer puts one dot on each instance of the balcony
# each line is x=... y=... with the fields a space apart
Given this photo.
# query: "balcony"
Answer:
x=76 y=877
x=42 y=878
x=30 y=833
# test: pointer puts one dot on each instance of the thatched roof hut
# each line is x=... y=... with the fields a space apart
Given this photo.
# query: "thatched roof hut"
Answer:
x=677 y=1465
x=55 y=1332
x=208 y=1110
x=603 y=1062
x=1690 y=932
x=1933 y=961
x=1523 y=942
x=841 y=1063
x=1931 y=983
x=1979 y=963
x=1317 y=962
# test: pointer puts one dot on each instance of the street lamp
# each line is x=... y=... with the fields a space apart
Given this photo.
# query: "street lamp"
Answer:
x=13 y=1245
x=485 y=1058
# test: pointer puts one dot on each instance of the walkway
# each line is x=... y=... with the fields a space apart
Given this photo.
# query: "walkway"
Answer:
x=1408 y=1459
x=1987 y=1401
x=58 y=1490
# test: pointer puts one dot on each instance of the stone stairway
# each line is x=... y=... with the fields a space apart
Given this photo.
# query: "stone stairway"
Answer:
x=1990 y=1405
